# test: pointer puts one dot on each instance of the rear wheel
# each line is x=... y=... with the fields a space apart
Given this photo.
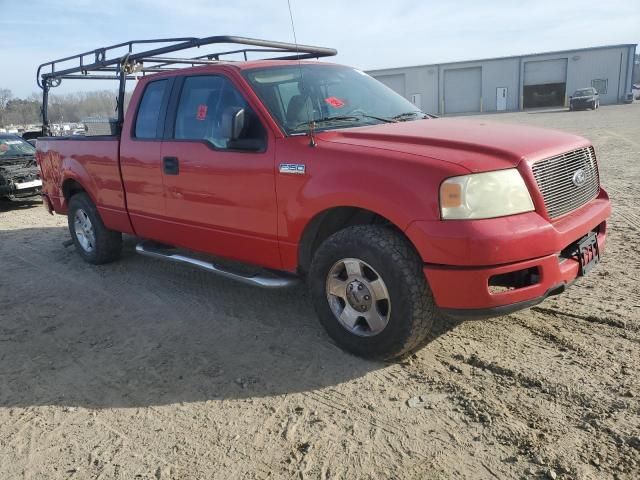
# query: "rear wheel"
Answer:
x=370 y=293
x=93 y=241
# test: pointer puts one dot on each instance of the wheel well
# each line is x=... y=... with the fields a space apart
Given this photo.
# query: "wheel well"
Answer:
x=70 y=187
x=328 y=222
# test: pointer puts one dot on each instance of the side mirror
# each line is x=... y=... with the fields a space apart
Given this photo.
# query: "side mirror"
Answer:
x=233 y=122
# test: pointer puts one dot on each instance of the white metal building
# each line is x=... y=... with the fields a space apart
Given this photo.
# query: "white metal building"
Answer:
x=514 y=83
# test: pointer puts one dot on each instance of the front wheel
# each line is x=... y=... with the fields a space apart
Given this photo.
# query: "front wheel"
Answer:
x=370 y=292
x=93 y=241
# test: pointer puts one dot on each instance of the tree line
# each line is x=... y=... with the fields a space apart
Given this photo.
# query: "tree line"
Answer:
x=70 y=107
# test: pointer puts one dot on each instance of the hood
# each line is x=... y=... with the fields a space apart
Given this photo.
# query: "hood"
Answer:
x=17 y=168
x=477 y=145
x=22 y=160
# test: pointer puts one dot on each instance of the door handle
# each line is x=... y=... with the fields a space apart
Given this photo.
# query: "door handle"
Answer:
x=170 y=165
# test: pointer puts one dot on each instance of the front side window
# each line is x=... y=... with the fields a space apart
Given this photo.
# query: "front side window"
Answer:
x=148 y=118
x=332 y=96
x=205 y=103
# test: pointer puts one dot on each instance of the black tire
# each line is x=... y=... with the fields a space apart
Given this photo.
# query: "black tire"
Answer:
x=106 y=245
x=411 y=307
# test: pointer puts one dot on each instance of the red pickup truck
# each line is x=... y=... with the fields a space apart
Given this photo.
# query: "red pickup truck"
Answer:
x=315 y=170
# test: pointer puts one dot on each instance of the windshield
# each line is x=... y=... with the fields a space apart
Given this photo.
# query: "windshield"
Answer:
x=15 y=146
x=333 y=96
x=583 y=92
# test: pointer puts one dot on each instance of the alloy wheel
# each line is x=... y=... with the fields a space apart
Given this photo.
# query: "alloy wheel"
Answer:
x=358 y=297
x=84 y=231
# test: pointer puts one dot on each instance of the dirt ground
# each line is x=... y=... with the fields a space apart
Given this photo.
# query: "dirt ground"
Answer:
x=141 y=369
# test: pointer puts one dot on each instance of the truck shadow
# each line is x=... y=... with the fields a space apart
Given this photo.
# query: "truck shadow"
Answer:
x=140 y=332
x=21 y=204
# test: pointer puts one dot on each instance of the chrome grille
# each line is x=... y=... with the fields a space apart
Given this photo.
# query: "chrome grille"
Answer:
x=555 y=178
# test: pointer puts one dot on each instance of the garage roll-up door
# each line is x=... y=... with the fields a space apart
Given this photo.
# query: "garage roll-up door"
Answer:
x=462 y=90
x=545 y=71
x=394 y=82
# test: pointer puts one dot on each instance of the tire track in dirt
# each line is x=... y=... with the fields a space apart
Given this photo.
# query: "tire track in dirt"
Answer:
x=542 y=385
x=630 y=219
x=333 y=400
x=611 y=322
x=555 y=339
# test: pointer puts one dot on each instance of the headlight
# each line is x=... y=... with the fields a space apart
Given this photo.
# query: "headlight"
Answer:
x=484 y=195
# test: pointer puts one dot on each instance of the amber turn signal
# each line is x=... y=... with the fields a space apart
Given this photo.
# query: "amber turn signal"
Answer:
x=450 y=195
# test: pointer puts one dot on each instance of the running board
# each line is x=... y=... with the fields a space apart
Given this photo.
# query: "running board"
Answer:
x=264 y=279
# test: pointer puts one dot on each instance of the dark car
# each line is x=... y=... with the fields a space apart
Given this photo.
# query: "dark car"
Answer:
x=584 y=98
x=19 y=174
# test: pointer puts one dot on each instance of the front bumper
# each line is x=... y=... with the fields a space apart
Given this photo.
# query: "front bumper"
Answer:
x=582 y=104
x=462 y=256
x=22 y=189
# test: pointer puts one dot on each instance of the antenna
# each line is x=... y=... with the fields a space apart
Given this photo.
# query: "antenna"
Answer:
x=312 y=136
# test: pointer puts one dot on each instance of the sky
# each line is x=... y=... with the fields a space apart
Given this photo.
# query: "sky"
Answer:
x=367 y=34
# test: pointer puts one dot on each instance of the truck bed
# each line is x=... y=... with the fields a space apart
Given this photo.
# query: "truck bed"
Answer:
x=93 y=163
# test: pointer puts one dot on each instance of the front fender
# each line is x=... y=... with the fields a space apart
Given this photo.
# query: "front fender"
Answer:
x=400 y=187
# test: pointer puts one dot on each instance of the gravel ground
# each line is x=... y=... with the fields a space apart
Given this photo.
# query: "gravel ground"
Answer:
x=141 y=369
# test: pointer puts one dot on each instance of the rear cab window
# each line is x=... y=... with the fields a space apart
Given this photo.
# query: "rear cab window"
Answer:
x=148 y=121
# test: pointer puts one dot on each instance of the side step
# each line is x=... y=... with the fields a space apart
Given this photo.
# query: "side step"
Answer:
x=263 y=278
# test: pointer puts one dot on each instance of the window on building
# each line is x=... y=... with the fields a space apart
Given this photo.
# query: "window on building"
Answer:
x=600 y=85
x=148 y=116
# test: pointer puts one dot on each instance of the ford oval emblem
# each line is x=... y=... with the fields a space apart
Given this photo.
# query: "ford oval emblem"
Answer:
x=579 y=178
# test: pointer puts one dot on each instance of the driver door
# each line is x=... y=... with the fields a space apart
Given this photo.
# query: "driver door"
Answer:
x=220 y=194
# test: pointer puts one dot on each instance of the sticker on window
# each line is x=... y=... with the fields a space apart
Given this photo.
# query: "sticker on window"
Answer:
x=202 y=112
x=335 y=102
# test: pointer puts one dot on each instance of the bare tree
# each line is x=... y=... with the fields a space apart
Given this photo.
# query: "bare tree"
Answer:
x=5 y=96
x=71 y=107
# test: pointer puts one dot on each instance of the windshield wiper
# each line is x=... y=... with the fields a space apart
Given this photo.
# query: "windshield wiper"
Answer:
x=405 y=116
x=382 y=119
x=335 y=118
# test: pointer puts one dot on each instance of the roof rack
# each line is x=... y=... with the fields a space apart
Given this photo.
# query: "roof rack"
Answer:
x=124 y=62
